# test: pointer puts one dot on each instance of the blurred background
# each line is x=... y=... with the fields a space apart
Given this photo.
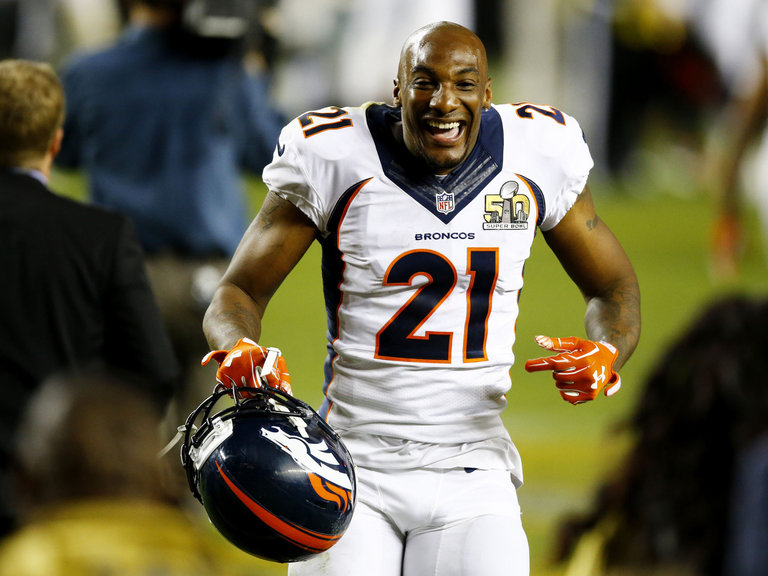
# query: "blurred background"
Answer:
x=658 y=86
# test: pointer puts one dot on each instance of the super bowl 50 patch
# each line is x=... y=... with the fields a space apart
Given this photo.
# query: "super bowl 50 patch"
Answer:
x=507 y=210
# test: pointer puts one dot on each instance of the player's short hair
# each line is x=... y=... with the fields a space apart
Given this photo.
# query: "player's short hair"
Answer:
x=31 y=110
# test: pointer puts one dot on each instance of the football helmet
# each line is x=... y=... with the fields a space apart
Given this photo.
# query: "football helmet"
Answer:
x=272 y=475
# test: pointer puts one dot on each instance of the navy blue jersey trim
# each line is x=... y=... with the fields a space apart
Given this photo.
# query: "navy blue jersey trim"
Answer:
x=539 y=199
x=464 y=183
x=332 y=267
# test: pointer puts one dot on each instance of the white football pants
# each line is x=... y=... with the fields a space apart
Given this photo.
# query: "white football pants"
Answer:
x=429 y=523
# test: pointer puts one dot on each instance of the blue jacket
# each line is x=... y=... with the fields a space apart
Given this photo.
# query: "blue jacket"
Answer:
x=164 y=136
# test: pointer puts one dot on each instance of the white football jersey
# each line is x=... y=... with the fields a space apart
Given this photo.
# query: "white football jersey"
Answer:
x=422 y=274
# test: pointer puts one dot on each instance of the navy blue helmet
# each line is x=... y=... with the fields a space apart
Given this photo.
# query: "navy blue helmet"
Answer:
x=273 y=476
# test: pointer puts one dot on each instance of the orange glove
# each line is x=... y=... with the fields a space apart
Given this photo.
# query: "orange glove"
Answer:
x=248 y=364
x=581 y=370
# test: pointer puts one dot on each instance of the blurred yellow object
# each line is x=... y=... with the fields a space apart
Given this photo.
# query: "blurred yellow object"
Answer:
x=643 y=24
x=96 y=537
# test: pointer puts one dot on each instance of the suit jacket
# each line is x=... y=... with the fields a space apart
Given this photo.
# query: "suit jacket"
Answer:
x=74 y=294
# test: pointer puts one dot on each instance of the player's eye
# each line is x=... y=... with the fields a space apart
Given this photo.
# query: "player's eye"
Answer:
x=423 y=84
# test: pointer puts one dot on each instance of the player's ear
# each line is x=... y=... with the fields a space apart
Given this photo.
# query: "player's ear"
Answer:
x=55 y=144
x=488 y=95
x=396 y=94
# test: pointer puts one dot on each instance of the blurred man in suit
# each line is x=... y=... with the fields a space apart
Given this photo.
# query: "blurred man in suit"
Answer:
x=75 y=292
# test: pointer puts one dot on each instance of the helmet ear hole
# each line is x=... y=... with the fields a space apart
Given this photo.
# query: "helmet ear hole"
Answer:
x=274 y=478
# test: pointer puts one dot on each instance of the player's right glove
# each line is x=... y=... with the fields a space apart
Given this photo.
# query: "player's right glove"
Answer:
x=249 y=365
x=581 y=370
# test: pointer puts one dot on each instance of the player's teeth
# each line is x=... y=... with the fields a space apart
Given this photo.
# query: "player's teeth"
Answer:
x=444 y=126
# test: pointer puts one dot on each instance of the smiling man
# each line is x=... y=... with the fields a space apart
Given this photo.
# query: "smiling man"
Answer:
x=442 y=88
x=426 y=211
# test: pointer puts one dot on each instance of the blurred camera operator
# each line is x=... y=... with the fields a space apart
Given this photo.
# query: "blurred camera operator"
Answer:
x=163 y=122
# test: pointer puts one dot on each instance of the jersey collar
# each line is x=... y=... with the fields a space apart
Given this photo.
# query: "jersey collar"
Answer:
x=460 y=186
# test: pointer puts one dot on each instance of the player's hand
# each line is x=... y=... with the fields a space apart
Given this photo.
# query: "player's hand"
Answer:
x=249 y=365
x=582 y=368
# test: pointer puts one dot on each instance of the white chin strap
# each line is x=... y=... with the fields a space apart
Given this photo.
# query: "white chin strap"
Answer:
x=269 y=363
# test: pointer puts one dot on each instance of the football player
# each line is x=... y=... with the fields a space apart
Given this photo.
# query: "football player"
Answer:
x=426 y=211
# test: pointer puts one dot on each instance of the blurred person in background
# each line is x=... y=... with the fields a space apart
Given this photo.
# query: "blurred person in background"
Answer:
x=92 y=488
x=736 y=169
x=163 y=123
x=691 y=496
x=747 y=543
x=664 y=90
x=75 y=291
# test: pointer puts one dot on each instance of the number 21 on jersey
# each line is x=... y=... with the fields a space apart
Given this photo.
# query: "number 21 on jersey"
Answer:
x=397 y=340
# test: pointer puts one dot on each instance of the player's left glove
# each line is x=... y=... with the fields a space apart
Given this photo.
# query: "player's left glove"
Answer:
x=581 y=370
x=249 y=365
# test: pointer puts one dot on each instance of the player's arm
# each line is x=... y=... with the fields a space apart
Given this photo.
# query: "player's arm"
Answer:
x=273 y=244
x=594 y=259
x=597 y=263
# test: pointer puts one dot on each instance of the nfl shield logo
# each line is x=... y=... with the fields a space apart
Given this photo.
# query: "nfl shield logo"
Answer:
x=444 y=202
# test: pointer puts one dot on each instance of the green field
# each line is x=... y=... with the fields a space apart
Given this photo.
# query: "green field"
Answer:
x=565 y=449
